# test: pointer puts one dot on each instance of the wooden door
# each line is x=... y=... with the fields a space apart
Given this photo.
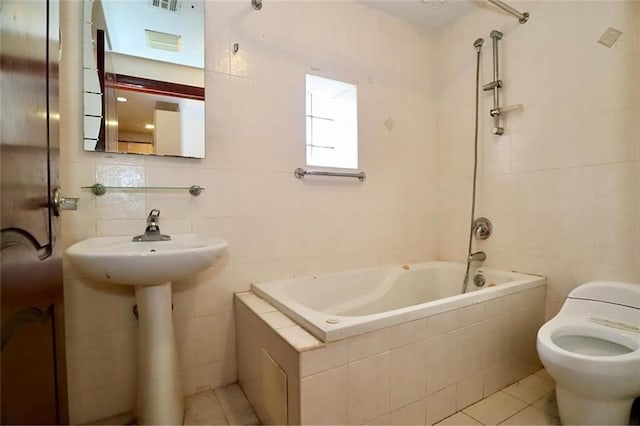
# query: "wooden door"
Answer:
x=33 y=388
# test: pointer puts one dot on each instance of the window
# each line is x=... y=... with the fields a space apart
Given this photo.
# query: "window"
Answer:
x=332 y=123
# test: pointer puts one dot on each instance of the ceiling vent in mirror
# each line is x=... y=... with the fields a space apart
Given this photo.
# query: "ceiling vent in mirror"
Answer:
x=164 y=41
x=169 y=5
x=167 y=106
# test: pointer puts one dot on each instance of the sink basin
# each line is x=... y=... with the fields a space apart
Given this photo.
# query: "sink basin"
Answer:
x=122 y=261
x=151 y=266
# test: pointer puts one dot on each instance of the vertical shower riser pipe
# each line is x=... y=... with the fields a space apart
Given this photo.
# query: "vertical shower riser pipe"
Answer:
x=497 y=85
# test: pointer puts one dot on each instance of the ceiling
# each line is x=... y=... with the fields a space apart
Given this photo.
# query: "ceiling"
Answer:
x=127 y=20
x=428 y=15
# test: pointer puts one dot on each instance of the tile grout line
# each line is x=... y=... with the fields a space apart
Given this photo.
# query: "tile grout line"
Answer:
x=217 y=401
x=515 y=414
x=467 y=414
x=517 y=398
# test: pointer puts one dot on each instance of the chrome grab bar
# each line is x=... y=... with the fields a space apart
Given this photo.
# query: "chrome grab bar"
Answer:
x=300 y=173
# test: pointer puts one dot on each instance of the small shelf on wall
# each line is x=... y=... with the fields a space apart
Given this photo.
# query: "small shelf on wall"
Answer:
x=99 y=189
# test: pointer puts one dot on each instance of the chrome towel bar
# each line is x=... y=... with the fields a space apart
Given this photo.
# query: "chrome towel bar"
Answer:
x=300 y=173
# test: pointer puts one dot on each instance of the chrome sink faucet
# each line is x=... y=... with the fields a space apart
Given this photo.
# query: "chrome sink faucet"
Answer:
x=152 y=232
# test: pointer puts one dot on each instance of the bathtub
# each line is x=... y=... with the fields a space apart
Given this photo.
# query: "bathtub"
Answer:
x=337 y=306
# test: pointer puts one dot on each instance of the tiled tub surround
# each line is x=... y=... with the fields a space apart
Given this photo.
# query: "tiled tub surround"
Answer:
x=417 y=372
x=341 y=305
x=562 y=166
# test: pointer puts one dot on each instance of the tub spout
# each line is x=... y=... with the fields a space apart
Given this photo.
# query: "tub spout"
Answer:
x=478 y=256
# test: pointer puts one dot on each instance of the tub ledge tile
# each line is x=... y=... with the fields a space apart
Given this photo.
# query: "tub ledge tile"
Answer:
x=299 y=338
x=255 y=303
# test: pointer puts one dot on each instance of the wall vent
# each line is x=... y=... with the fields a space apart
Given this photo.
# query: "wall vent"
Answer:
x=164 y=41
x=168 y=5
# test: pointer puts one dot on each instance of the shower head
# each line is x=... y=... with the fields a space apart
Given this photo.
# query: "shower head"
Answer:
x=478 y=43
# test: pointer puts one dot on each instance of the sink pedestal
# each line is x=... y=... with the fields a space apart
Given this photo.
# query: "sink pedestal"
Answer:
x=160 y=397
x=151 y=266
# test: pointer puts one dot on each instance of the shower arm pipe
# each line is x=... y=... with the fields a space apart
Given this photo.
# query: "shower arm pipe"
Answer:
x=522 y=17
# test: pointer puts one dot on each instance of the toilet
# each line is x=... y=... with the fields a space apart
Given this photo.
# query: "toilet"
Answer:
x=591 y=348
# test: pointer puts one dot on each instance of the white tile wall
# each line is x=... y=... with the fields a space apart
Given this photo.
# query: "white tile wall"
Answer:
x=469 y=391
x=277 y=226
x=368 y=344
x=323 y=358
x=441 y=361
x=412 y=414
x=368 y=388
x=569 y=160
x=568 y=164
x=408 y=332
x=323 y=397
x=440 y=405
x=407 y=374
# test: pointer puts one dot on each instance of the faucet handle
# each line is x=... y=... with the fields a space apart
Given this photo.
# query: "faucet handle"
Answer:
x=154 y=214
x=154 y=217
x=152 y=232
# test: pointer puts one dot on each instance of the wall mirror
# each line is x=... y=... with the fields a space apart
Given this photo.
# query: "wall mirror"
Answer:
x=144 y=77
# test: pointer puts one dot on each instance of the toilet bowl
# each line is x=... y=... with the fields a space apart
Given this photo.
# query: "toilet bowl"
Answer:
x=591 y=348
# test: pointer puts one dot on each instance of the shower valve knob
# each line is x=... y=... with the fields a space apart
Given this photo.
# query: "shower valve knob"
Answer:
x=482 y=228
x=498 y=131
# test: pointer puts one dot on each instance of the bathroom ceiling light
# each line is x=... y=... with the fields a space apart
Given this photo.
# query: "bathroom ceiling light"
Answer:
x=121 y=99
x=149 y=126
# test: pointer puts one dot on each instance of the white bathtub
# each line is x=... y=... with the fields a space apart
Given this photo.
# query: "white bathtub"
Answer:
x=337 y=306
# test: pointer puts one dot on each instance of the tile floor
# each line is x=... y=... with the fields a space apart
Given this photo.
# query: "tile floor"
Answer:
x=223 y=406
x=531 y=401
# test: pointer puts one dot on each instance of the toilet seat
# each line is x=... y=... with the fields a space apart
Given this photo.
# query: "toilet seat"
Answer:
x=615 y=365
x=553 y=330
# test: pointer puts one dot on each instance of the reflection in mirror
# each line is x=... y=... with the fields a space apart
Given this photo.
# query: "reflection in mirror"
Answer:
x=144 y=77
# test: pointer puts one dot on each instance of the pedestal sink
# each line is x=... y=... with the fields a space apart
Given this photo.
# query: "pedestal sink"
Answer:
x=150 y=266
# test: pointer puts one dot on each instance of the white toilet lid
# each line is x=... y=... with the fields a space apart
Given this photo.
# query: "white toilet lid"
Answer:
x=619 y=293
